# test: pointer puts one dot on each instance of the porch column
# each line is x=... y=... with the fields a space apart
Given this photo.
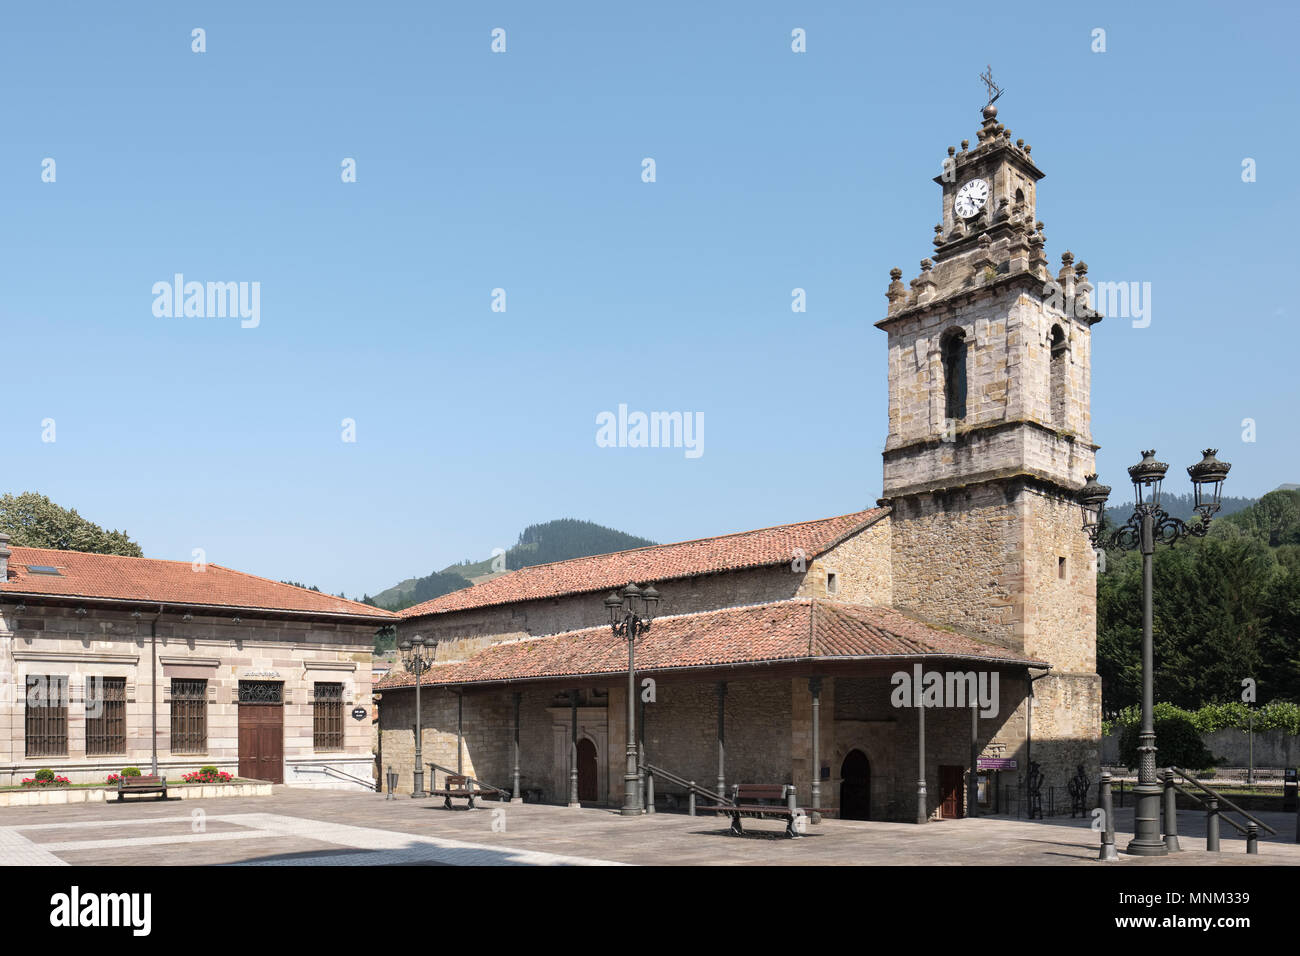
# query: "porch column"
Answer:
x=972 y=786
x=722 y=750
x=460 y=730
x=514 y=795
x=921 y=815
x=815 y=688
x=573 y=751
x=647 y=798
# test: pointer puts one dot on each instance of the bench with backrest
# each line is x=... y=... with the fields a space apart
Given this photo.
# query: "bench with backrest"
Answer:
x=136 y=785
x=760 y=800
x=463 y=787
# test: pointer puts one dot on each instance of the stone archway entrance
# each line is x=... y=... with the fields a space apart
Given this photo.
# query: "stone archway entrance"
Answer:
x=855 y=787
x=587 y=770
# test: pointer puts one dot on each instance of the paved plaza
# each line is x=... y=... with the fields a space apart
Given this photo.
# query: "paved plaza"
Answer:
x=313 y=828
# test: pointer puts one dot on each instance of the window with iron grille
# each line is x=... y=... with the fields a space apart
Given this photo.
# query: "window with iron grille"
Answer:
x=327 y=717
x=47 y=716
x=105 y=715
x=189 y=716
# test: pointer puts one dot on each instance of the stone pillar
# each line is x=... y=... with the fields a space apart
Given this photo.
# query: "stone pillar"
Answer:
x=921 y=814
x=573 y=751
x=972 y=785
x=460 y=730
x=722 y=710
x=515 y=796
x=815 y=689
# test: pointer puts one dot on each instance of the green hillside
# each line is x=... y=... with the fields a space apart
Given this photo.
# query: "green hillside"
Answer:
x=557 y=540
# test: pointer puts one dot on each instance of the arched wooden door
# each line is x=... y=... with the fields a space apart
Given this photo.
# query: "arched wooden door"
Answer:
x=855 y=787
x=587 y=770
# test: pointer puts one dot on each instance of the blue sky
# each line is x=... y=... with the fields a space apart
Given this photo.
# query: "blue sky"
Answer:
x=522 y=171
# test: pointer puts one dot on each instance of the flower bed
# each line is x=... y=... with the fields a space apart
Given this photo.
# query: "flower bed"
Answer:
x=50 y=781
x=207 y=776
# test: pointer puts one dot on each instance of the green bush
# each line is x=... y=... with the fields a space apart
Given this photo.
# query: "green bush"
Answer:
x=210 y=771
x=1276 y=715
x=1178 y=739
x=45 y=775
x=130 y=771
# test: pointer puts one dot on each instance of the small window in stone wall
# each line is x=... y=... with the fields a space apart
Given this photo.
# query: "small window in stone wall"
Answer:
x=1060 y=568
x=832 y=582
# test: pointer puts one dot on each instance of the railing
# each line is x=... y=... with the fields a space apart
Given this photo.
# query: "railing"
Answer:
x=478 y=783
x=692 y=788
x=341 y=775
x=1054 y=801
x=1212 y=814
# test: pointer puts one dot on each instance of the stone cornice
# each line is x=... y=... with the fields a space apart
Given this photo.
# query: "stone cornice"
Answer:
x=945 y=486
x=922 y=444
x=189 y=661
x=1003 y=282
x=76 y=657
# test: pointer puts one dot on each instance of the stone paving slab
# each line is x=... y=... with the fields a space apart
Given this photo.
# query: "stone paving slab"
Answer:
x=298 y=827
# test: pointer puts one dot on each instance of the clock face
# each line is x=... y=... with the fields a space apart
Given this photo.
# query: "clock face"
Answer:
x=971 y=198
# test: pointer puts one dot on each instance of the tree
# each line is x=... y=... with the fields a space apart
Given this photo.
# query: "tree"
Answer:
x=1274 y=519
x=1280 y=650
x=34 y=521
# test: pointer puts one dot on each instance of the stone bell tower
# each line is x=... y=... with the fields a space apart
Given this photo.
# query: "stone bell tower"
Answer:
x=990 y=437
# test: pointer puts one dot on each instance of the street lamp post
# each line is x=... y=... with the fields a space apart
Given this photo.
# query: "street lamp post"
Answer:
x=630 y=615
x=1148 y=526
x=417 y=656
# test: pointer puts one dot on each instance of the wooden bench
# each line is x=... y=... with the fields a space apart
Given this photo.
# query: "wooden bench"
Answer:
x=458 y=785
x=135 y=785
x=745 y=799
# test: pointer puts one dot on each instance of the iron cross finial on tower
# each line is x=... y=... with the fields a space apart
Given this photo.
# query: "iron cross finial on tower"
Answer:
x=994 y=91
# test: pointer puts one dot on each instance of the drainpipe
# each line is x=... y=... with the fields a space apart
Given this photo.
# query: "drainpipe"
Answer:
x=153 y=697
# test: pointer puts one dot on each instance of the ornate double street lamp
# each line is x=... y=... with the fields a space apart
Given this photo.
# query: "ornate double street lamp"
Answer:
x=630 y=614
x=417 y=657
x=1148 y=526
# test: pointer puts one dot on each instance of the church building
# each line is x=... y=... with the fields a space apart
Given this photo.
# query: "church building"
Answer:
x=898 y=662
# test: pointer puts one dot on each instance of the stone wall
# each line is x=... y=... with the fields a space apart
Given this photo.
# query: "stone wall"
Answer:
x=862 y=566
x=957 y=560
x=1232 y=748
x=767 y=735
x=46 y=641
x=680 y=733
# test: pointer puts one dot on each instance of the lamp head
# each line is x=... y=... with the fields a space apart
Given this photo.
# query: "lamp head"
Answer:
x=1207 y=477
x=1092 y=502
x=1147 y=476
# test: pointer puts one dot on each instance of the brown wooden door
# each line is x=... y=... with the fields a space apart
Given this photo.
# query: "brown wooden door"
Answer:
x=587 y=770
x=261 y=742
x=950 y=788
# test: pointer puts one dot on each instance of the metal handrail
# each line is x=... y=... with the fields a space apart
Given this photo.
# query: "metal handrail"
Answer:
x=1202 y=803
x=1222 y=799
x=690 y=785
x=342 y=775
x=457 y=773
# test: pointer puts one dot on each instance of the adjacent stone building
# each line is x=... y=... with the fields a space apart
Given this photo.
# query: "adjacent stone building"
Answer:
x=107 y=660
x=779 y=655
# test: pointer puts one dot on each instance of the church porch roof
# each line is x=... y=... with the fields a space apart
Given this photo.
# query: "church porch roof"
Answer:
x=781 y=632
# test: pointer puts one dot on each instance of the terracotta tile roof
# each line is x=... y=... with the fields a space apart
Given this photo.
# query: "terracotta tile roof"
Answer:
x=660 y=562
x=112 y=577
x=791 y=630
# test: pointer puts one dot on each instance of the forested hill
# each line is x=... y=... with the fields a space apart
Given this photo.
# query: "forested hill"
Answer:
x=557 y=540
x=1179 y=506
x=1227 y=608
